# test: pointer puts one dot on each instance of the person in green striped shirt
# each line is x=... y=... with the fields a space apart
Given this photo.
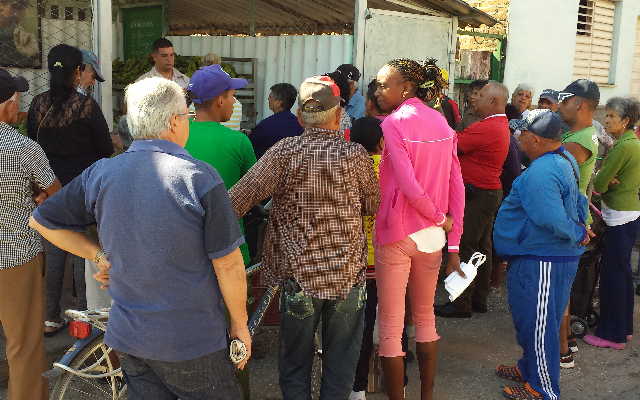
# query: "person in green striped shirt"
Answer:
x=578 y=103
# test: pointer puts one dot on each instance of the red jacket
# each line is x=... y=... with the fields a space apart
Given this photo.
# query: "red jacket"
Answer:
x=482 y=149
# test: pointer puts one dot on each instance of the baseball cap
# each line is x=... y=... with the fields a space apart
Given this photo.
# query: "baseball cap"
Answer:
x=550 y=94
x=318 y=93
x=10 y=84
x=543 y=123
x=89 y=58
x=210 y=82
x=582 y=88
x=349 y=71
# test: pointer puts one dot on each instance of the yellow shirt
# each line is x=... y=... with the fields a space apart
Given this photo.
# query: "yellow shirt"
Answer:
x=369 y=222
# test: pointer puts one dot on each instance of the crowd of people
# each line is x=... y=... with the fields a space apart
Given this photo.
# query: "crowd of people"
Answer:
x=369 y=195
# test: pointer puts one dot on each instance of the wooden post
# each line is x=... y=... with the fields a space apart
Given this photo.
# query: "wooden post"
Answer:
x=358 y=37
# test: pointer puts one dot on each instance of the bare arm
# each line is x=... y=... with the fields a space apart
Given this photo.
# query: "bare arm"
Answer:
x=74 y=242
x=40 y=195
x=232 y=280
x=578 y=151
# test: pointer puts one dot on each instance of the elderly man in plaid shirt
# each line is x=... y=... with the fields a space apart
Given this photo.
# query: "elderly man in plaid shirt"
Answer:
x=315 y=245
x=25 y=178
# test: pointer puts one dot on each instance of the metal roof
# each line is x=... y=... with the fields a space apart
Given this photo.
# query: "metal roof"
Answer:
x=277 y=17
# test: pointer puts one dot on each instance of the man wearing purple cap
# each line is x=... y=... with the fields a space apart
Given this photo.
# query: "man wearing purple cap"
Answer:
x=315 y=245
x=229 y=151
x=26 y=178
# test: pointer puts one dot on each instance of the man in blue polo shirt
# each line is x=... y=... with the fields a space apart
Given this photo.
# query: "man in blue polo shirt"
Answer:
x=170 y=245
x=540 y=229
x=281 y=124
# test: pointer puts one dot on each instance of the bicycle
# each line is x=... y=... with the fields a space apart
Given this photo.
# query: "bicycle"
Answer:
x=90 y=369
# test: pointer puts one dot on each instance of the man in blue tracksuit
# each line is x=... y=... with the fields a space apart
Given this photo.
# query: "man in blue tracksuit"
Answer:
x=540 y=230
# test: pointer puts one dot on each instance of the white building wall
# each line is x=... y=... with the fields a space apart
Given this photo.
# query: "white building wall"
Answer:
x=624 y=52
x=542 y=42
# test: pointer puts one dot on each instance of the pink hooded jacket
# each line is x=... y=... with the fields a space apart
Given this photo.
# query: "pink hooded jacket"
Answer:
x=420 y=177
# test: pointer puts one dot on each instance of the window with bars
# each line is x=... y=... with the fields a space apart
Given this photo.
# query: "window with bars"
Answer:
x=585 y=17
x=594 y=40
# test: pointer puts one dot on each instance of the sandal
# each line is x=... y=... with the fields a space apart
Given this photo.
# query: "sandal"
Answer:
x=517 y=392
x=52 y=324
x=511 y=373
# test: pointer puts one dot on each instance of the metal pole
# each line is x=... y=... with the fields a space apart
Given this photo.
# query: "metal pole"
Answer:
x=102 y=46
x=358 y=39
x=252 y=17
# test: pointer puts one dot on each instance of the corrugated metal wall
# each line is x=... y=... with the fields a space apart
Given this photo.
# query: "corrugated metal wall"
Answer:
x=280 y=58
x=54 y=32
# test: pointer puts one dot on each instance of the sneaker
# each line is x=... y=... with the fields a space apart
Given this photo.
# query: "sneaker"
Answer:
x=602 y=343
x=518 y=392
x=573 y=346
x=566 y=360
x=357 y=395
x=509 y=372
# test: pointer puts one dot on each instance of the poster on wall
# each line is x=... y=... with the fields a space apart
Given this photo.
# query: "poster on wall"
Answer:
x=20 y=39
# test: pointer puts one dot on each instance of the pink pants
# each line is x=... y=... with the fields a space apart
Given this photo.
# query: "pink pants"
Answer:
x=399 y=265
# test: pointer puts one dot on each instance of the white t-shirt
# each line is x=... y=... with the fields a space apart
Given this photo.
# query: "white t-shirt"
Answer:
x=613 y=217
x=429 y=240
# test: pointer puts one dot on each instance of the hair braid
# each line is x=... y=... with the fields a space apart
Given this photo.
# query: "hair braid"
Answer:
x=427 y=78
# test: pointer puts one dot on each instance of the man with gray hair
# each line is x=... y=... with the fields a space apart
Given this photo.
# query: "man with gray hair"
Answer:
x=483 y=149
x=315 y=245
x=167 y=321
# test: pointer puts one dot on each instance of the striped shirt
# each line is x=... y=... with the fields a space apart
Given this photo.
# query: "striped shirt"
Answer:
x=321 y=186
x=22 y=164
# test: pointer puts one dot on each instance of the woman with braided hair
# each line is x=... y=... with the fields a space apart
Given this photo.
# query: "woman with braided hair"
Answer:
x=422 y=200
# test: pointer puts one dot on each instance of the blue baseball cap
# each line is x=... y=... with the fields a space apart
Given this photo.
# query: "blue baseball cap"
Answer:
x=88 y=57
x=541 y=122
x=210 y=82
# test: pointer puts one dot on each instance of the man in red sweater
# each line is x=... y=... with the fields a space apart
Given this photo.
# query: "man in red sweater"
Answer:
x=482 y=149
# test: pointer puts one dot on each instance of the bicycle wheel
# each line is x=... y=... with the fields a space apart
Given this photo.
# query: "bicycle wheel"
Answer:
x=100 y=358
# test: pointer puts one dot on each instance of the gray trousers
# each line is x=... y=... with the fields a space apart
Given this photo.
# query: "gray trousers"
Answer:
x=55 y=264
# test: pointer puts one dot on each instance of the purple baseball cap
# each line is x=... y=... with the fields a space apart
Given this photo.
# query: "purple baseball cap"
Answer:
x=210 y=82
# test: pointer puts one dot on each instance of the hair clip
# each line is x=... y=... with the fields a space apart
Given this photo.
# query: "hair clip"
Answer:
x=427 y=85
x=58 y=64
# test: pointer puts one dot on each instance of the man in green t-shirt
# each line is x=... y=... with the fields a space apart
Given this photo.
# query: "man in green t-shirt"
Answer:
x=230 y=152
x=578 y=103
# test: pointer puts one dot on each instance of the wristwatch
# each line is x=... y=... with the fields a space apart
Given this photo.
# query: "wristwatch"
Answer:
x=99 y=256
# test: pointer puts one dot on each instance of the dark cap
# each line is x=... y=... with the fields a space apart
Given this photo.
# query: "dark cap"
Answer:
x=210 y=82
x=551 y=95
x=318 y=93
x=349 y=71
x=582 y=88
x=541 y=122
x=10 y=84
x=88 y=57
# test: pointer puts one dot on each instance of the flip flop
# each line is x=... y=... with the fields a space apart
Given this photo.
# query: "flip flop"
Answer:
x=51 y=324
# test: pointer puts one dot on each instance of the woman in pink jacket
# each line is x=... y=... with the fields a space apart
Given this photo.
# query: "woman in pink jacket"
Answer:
x=422 y=200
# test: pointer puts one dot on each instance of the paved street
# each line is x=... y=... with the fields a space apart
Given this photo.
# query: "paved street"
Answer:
x=470 y=350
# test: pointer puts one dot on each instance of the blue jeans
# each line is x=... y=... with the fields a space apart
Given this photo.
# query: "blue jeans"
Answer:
x=206 y=378
x=616 y=283
x=342 y=325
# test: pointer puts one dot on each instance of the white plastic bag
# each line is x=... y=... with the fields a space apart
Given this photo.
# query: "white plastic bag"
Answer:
x=455 y=284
